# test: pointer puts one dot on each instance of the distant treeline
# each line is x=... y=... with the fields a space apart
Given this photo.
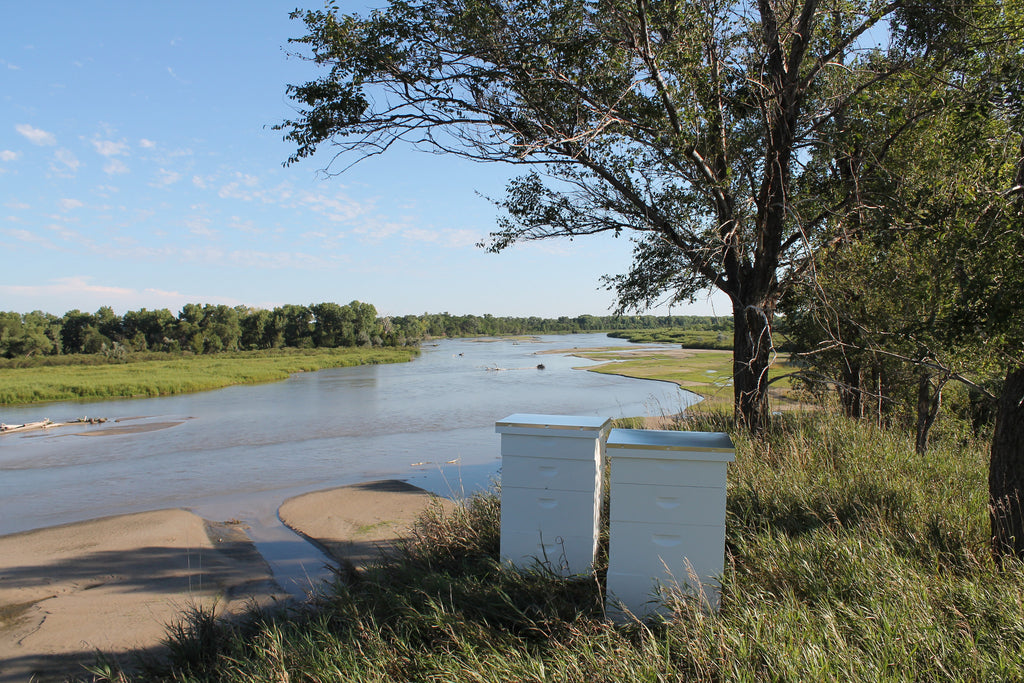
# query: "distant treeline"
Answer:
x=447 y=325
x=211 y=328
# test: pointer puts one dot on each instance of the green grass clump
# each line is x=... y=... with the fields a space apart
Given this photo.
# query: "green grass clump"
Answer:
x=688 y=339
x=711 y=369
x=177 y=374
x=704 y=372
x=849 y=558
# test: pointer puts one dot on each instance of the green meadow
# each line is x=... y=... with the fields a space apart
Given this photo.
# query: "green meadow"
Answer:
x=707 y=372
x=177 y=374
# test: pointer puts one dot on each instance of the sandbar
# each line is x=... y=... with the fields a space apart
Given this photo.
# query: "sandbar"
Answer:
x=358 y=524
x=113 y=585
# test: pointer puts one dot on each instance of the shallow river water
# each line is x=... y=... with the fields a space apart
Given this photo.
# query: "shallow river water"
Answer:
x=239 y=452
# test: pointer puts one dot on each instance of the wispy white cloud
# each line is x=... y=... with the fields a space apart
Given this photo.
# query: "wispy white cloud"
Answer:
x=339 y=208
x=215 y=253
x=123 y=240
x=88 y=295
x=110 y=148
x=67 y=286
x=115 y=167
x=244 y=187
x=373 y=229
x=200 y=226
x=65 y=162
x=176 y=76
x=549 y=247
x=336 y=207
x=36 y=136
x=452 y=238
x=21 y=206
x=85 y=284
x=29 y=237
x=283 y=193
x=69 y=204
x=165 y=178
x=325 y=241
x=462 y=238
x=276 y=260
x=174 y=300
x=354 y=218
x=68 y=235
x=414 y=234
x=8 y=155
x=146 y=144
x=166 y=293
x=246 y=225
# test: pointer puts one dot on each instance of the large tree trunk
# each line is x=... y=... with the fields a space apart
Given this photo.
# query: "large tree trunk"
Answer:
x=752 y=354
x=1006 y=470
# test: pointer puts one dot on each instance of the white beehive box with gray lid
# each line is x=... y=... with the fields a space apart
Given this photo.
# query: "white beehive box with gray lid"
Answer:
x=666 y=516
x=551 y=487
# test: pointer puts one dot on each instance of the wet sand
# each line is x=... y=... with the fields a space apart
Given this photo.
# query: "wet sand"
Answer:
x=355 y=524
x=114 y=584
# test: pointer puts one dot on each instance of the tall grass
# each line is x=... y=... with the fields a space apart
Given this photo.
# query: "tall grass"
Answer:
x=177 y=375
x=849 y=558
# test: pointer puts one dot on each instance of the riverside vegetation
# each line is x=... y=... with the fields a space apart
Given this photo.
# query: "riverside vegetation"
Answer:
x=849 y=557
x=707 y=372
x=165 y=374
x=210 y=329
x=151 y=353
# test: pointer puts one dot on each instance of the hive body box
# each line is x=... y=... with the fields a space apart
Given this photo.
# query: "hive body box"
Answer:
x=551 y=487
x=666 y=517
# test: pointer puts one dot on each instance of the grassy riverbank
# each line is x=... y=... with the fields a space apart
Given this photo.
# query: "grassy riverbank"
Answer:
x=703 y=371
x=849 y=558
x=178 y=374
x=687 y=339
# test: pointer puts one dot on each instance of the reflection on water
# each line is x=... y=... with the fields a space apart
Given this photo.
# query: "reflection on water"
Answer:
x=240 y=451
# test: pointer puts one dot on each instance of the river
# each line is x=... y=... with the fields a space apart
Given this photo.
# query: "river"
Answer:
x=238 y=452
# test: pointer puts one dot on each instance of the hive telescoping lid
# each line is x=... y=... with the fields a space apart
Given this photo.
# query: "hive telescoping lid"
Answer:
x=645 y=442
x=562 y=425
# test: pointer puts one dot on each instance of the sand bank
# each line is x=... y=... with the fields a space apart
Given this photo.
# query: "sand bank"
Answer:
x=113 y=584
x=356 y=523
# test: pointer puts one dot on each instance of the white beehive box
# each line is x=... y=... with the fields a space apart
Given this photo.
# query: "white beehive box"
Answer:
x=551 y=486
x=666 y=516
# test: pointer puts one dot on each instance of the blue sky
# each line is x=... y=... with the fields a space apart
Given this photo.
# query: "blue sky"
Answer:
x=138 y=170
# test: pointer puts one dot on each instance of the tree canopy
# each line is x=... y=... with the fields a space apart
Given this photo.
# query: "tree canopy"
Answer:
x=928 y=281
x=720 y=135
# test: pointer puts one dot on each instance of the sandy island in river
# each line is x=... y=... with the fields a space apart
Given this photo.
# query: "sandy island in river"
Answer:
x=114 y=584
